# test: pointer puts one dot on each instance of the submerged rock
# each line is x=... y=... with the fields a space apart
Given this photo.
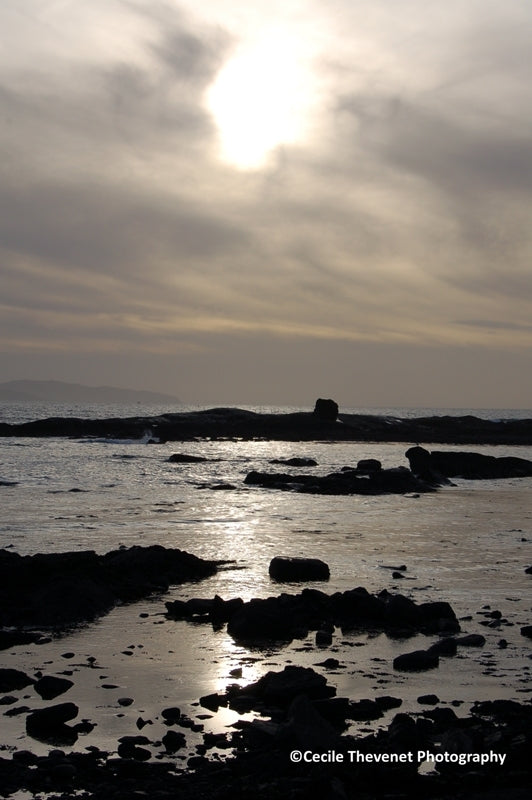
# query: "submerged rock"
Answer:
x=184 y=458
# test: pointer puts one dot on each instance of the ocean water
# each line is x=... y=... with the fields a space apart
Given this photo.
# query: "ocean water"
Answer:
x=468 y=544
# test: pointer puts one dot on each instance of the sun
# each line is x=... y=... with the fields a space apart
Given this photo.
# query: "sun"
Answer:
x=260 y=100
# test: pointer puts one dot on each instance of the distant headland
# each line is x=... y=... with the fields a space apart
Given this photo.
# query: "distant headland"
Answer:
x=62 y=392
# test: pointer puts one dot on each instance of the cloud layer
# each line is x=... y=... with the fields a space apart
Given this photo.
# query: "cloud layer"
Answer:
x=398 y=222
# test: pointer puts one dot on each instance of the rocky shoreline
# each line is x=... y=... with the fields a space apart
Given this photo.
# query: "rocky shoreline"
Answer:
x=57 y=590
x=430 y=753
x=324 y=423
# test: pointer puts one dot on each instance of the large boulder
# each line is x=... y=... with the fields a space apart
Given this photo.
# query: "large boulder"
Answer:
x=48 y=724
x=326 y=410
x=298 y=569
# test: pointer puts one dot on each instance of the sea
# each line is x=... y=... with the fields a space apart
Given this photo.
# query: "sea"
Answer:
x=468 y=544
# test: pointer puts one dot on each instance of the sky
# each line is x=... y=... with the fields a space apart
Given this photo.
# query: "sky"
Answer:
x=269 y=202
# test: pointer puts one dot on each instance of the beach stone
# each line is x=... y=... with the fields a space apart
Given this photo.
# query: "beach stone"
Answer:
x=386 y=702
x=295 y=462
x=471 y=640
x=323 y=638
x=174 y=741
x=13 y=679
x=365 y=710
x=171 y=715
x=184 y=458
x=7 y=700
x=280 y=688
x=329 y=663
x=444 y=647
x=125 y=701
x=428 y=699
x=48 y=724
x=49 y=686
x=417 y=661
x=130 y=750
x=52 y=716
x=369 y=465
x=527 y=631
x=298 y=569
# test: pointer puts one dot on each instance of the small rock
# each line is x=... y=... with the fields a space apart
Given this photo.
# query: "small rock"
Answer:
x=417 y=661
x=472 y=640
x=298 y=569
x=428 y=699
x=125 y=701
x=174 y=741
x=323 y=638
x=171 y=715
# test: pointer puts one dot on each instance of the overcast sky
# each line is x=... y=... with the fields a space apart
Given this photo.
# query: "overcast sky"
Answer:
x=267 y=202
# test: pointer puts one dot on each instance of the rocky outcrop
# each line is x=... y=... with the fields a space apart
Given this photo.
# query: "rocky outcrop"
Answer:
x=437 y=466
x=298 y=569
x=287 y=617
x=399 y=480
x=224 y=423
x=60 y=589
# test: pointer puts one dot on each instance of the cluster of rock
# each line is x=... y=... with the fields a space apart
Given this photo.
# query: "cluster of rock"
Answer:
x=428 y=471
x=287 y=617
x=58 y=589
x=350 y=480
x=304 y=716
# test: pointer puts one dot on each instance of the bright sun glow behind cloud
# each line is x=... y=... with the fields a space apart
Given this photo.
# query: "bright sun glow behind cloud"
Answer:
x=260 y=99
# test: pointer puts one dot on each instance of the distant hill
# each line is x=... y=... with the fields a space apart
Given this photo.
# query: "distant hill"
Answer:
x=60 y=392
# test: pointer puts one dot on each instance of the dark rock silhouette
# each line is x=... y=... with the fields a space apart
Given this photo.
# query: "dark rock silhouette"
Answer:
x=48 y=724
x=298 y=569
x=50 y=686
x=13 y=679
x=417 y=661
x=398 y=480
x=224 y=423
x=326 y=410
x=185 y=458
x=438 y=466
x=295 y=462
x=60 y=589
